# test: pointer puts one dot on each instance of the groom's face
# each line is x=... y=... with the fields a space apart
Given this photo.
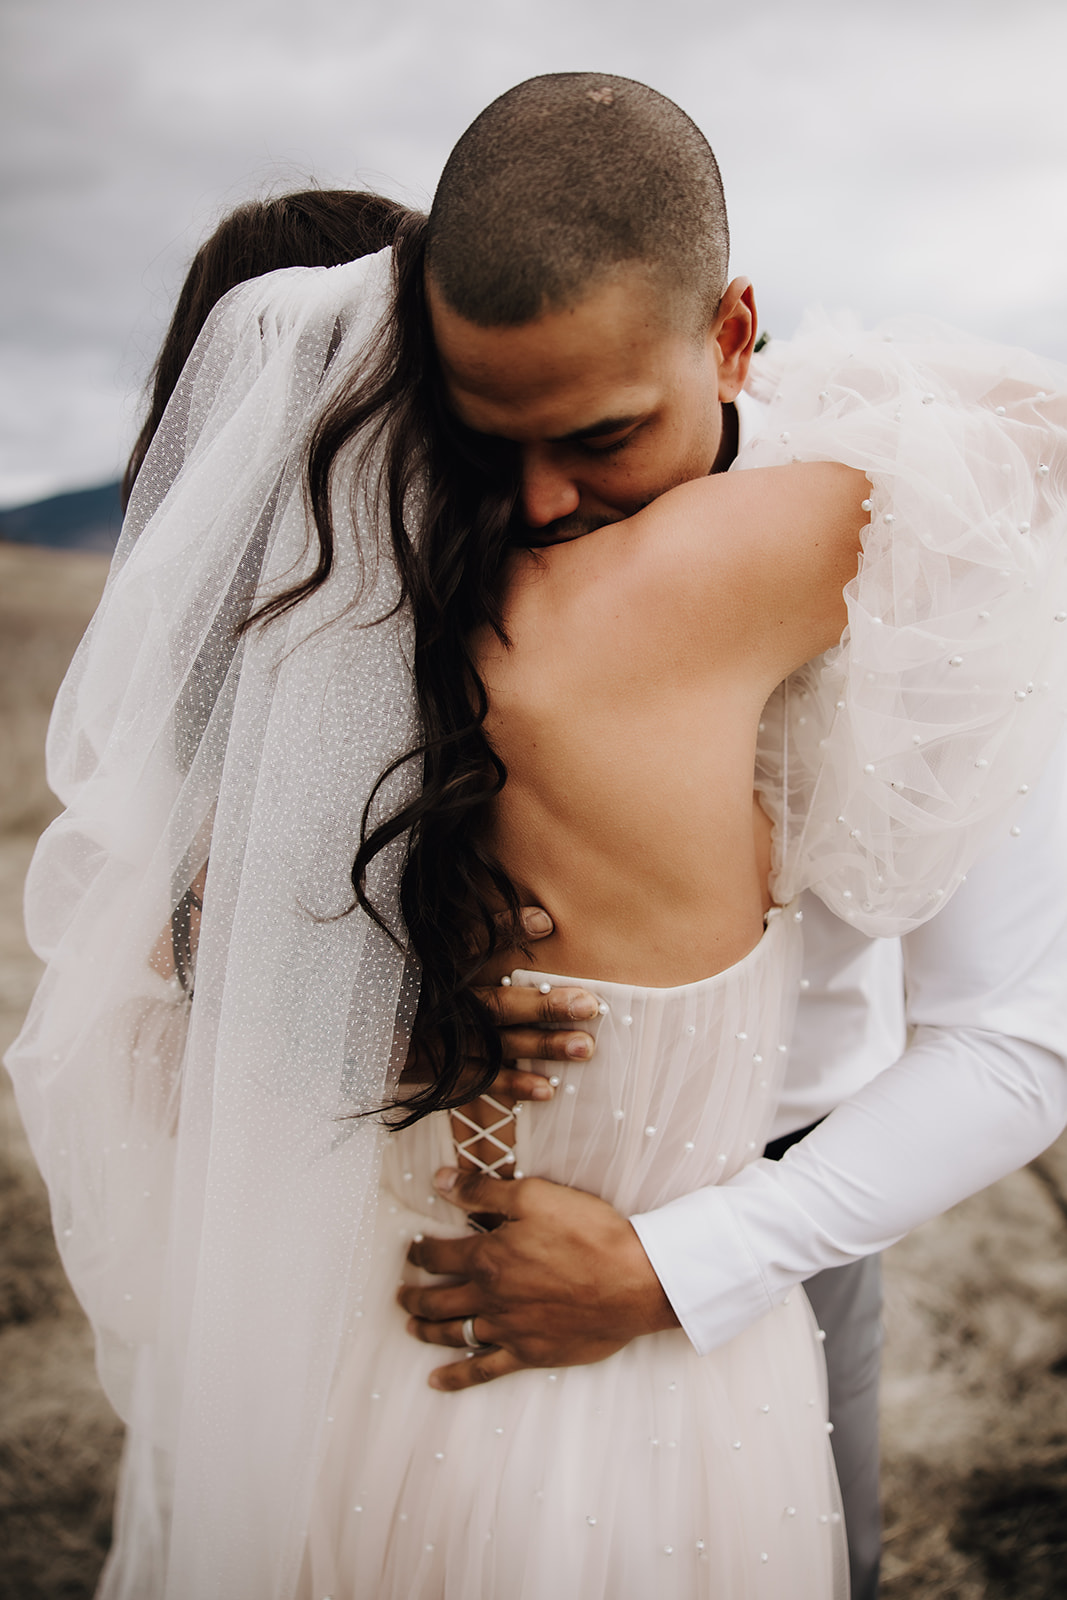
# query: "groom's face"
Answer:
x=611 y=402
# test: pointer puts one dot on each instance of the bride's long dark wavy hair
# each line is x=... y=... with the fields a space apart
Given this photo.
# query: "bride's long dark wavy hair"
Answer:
x=450 y=496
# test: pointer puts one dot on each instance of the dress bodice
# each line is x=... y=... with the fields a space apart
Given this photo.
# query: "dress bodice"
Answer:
x=655 y=1471
x=679 y=1094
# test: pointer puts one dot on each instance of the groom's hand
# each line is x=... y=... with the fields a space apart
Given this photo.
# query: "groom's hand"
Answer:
x=532 y=1026
x=561 y=1282
x=538 y=1027
x=535 y=1026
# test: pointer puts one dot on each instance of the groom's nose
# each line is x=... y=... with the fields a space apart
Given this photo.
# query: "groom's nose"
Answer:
x=549 y=491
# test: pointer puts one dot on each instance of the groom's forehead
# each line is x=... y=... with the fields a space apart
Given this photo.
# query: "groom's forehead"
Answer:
x=562 y=374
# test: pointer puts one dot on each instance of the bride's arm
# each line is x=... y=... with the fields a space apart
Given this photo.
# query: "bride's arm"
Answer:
x=749 y=569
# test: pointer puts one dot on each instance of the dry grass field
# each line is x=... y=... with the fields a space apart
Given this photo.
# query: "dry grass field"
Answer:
x=59 y=1439
x=975 y=1394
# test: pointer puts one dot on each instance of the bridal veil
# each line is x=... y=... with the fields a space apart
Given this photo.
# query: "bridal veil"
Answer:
x=210 y=1189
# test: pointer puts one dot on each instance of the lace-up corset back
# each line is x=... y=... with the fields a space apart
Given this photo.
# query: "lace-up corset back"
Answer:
x=679 y=1094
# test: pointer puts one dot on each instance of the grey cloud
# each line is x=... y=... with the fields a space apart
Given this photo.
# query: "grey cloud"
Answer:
x=892 y=156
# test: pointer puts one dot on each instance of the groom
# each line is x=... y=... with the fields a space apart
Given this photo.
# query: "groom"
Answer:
x=922 y=1069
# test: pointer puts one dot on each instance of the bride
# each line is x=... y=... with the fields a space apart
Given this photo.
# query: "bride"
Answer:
x=234 y=1222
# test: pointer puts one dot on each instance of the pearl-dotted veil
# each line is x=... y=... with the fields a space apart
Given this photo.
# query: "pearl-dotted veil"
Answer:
x=210 y=1190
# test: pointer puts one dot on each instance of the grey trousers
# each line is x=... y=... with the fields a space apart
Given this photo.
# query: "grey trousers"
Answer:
x=847 y=1302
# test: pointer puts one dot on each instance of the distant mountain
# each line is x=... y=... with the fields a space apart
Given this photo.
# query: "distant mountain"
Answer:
x=87 y=519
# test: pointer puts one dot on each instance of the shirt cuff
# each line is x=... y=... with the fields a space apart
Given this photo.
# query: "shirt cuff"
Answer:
x=699 y=1253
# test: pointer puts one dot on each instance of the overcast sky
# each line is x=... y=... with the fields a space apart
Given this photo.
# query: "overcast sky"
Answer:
x=884 y=155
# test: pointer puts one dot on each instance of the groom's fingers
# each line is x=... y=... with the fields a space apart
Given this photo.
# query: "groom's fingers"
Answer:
x=519 y=1005
x=538 y=1027
x=451 y=1333
x=453 y=1258
x=464 y=1258
x=479 y=1192
x=513 y=1083
x=536 y=922
x=539 y=1044
x=482 y=1366
x=446 y=1303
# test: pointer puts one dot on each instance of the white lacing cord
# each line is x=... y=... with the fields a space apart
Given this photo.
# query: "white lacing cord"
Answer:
x=490 y=1134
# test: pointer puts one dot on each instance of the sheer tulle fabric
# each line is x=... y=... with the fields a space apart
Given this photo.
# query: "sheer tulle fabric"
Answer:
x=222 y=1221
x=210 y=1206
x=890 y=762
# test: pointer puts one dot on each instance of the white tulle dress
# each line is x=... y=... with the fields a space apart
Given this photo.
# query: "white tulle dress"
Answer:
x=234 y=1234
x=655 y=1472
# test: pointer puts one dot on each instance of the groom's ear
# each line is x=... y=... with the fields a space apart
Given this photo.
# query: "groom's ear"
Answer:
x=732 y=337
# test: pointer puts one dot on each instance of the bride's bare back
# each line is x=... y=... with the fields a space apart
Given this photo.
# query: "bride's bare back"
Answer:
x=626 y=711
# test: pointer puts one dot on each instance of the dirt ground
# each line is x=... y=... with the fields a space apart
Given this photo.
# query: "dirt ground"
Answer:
x=975 y=1390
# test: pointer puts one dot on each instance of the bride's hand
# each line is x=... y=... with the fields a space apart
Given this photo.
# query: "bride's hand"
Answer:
x=562 y=1282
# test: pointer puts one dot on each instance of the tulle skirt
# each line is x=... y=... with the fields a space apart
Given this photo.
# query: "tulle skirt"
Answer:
x=654 y=1475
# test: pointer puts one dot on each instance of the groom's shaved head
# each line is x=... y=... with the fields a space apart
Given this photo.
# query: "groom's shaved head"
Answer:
x=565 y=178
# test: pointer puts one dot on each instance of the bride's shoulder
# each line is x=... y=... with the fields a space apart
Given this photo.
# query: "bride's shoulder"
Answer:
x=759 y=558
x=746 y=510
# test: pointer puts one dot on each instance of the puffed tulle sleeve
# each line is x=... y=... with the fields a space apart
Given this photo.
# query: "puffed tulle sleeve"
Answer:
x=186 y=1075
x=889 y=763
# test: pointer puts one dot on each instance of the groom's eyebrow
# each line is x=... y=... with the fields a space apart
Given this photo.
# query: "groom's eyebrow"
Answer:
x=595 y=430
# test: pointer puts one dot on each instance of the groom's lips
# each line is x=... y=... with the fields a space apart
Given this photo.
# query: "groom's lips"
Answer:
x=563 y=531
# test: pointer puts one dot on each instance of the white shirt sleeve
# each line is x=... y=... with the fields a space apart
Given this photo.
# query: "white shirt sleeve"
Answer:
x=980 y=1090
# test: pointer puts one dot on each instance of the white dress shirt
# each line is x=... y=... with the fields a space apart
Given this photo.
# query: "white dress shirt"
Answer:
x=938 y=1061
